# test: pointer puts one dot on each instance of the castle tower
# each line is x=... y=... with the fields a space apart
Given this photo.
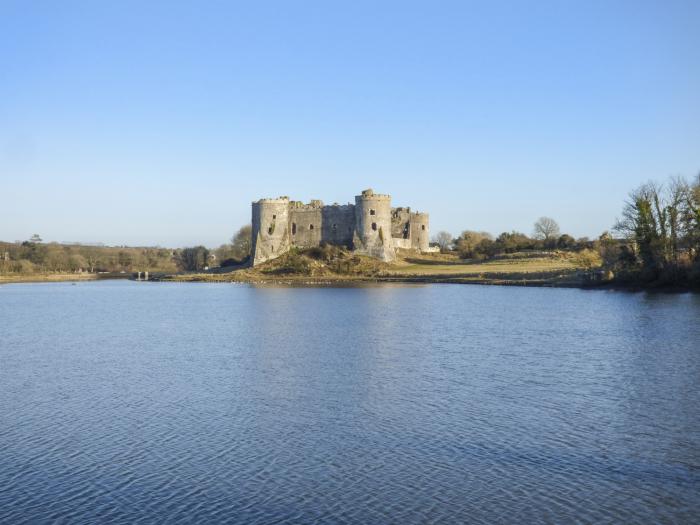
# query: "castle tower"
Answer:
x=373 y=226
x=420 y=231
x=270 y=233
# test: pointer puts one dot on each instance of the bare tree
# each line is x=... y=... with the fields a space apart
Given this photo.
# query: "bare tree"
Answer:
x=444 y=240
x=242 y=242
x=546 y=229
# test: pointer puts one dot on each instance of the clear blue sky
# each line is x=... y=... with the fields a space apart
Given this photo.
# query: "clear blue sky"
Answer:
x=159 y=122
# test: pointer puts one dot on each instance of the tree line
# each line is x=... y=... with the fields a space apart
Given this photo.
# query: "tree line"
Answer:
x=656 y=242
x=482 y=245
x=661 y=224
x=34 y=256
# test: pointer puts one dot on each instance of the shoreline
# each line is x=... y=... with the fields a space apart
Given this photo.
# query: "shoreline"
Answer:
x=60 y=277
x=47 y=278
x=240 y=276
x=312 y=281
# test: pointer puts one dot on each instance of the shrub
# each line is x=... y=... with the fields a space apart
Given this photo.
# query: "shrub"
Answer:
x=587 y=259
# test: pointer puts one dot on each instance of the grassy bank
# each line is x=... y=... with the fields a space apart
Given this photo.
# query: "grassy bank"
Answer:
x=330 y=266
x=46 y=277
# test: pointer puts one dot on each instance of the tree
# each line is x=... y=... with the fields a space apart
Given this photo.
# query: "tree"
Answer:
x=242 y=242
x=444 y=240
x=34 y=252
x=566 y=242
x=640 y=221
x=513 y=242
x=125 y=260
x=193 y=259
x=546 y=229
x=661 y=224
x=468 y=242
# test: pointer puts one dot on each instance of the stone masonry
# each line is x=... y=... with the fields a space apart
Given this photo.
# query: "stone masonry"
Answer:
x=369 y=227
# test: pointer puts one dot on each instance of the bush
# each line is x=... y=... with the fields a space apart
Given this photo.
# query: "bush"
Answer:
x=23 y=266
x=291 y=263
x=566 y=242
x=233 y=262
x=587 y=259
x=694 y=274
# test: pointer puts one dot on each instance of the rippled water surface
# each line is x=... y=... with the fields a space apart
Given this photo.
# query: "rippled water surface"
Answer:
x=145 y=402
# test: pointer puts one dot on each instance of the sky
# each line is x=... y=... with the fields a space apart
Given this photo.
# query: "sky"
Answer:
x=157 y=123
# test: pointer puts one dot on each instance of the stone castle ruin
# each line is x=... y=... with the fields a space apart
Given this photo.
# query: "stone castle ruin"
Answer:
x=369 y=227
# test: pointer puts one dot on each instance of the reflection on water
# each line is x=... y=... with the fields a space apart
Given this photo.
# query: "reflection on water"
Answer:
x=142 y=402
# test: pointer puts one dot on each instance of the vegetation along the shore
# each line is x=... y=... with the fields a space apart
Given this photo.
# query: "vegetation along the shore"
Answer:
x=655 y=243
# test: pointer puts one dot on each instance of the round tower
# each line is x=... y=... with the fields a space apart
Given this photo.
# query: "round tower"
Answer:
x=270 y=232
x=420 y=231
x=373 y=225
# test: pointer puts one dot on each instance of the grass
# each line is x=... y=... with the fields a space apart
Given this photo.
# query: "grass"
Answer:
x=45 y=277
x=525 y=265
x=538 y=269
x=331 y=264
x=336 y=266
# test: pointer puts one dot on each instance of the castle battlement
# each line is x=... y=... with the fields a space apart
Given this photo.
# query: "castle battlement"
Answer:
x=277 y=200
x=369 y=227
x=369 y=194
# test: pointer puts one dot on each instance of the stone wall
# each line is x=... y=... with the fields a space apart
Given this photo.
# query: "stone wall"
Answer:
x=270 y=219
x=305 y=225
x=338 y=224
x=400 y=223
x=402 y=244
x=371 y=226
x=420 y=231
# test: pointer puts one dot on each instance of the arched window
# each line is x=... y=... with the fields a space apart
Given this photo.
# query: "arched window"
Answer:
x=294 y=228
x=374 y=226
x=311 y=226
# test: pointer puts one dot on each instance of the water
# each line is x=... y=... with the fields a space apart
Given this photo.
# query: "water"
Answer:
x=146 y=402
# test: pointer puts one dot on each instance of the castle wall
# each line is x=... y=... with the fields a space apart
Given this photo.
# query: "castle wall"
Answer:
x=373 y=226
x=270 y=218
x=402 y=244
x=338 y=224
x=400 y=223
x=305 y=226
x=420 y=231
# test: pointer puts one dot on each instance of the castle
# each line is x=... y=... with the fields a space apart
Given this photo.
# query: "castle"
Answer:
x=370 y=227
